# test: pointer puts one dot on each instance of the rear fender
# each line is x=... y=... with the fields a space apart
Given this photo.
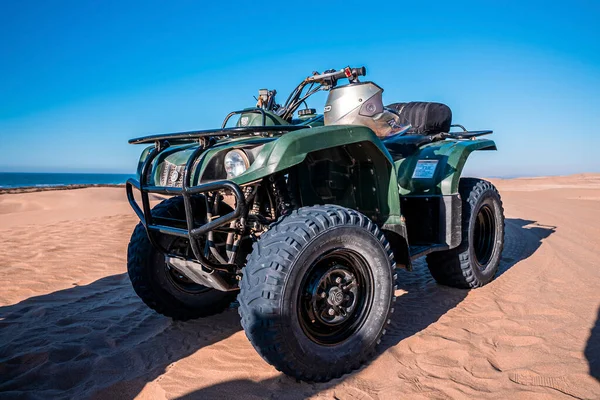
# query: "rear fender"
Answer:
x=449 y=156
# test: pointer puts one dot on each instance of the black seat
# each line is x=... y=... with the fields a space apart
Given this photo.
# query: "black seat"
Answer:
x=426 y=118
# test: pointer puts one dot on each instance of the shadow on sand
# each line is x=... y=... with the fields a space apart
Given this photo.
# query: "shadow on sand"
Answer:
x=72 y=342
x=592 y=349
x=94 y=336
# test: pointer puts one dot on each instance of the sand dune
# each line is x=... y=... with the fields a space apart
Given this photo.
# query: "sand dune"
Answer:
x=72 y=327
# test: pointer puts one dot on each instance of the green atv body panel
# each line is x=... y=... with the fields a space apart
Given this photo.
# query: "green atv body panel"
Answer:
x=359 y=143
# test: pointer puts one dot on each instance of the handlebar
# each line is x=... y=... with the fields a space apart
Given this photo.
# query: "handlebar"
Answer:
x=324 y=81
x=351 y=73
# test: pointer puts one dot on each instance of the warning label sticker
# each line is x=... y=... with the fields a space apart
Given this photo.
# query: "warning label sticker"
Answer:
x=425 y=169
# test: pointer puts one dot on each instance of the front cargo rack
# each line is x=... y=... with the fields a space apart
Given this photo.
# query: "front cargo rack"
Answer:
x=222 y=132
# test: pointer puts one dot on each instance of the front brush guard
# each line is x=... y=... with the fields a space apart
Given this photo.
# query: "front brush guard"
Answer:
x=191 y=233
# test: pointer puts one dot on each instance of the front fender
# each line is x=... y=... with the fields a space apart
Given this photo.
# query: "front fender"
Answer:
x=451 y=156
x=293 y=147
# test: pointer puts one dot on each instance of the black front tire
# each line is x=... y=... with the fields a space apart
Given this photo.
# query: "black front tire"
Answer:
x=162 y=288
x=316 y=261
x=475 y=261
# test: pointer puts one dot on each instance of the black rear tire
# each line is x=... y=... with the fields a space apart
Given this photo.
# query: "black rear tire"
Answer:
x=475 y=261
x=317 y=292
x=162 y=288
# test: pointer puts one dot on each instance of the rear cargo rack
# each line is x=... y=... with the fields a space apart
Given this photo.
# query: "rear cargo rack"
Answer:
x=465 y=134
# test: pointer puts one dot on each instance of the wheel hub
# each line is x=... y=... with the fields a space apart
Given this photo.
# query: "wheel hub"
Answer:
x=334 y=296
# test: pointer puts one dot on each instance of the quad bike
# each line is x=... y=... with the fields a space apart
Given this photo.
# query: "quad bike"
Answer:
x=305 y=219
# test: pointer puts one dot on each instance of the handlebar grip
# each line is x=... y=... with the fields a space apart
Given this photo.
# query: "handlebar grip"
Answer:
x=333 y=74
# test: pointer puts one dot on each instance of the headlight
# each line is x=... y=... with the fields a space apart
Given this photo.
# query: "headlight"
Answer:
x=171 y=174
x=236 y=163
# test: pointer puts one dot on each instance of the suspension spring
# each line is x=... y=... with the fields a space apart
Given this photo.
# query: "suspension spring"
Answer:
x=256 y=203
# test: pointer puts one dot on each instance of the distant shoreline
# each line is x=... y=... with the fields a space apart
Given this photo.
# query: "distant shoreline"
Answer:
x=32 y=189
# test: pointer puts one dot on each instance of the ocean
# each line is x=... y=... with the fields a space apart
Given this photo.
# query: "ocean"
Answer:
x=28 y=179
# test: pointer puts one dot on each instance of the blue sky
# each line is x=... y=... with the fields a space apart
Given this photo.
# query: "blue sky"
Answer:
x=79 y=78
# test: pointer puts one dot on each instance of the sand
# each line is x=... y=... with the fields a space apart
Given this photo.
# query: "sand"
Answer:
x=72 y=327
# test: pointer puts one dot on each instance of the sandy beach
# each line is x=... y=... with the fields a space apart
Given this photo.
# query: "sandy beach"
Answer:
x=72 y=327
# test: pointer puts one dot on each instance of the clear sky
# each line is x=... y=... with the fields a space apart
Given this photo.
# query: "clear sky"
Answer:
x=79 y=78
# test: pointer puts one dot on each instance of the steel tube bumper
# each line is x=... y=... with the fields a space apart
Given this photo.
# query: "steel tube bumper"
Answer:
x=192 y=233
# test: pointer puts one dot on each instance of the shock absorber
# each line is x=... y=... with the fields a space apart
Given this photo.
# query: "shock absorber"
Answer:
x=248 y=192
x=281 y=194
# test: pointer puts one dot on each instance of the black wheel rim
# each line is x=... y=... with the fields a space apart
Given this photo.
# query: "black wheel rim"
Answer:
x=335 y=297
x=484 y=235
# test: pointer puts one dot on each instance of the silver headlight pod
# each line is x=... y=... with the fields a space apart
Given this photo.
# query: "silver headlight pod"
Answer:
x=236 y=163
